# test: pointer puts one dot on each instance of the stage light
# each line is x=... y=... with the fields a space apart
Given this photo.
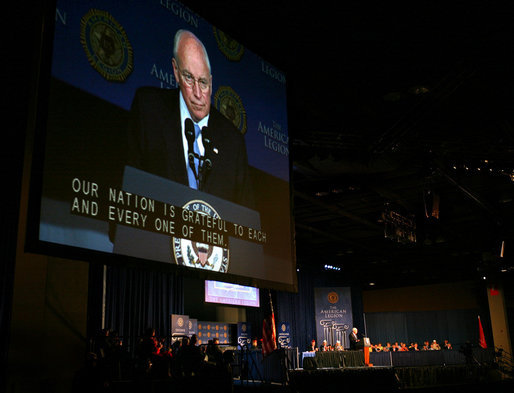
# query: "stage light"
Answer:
x=331 y=267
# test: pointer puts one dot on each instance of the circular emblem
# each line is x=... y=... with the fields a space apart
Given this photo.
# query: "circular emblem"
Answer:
x=243 y=328
x=200 y=255
x=283 y=327
x=229 y=103
x=106 y=45
x=232 y=49
x=333 y=297
x=180 y=322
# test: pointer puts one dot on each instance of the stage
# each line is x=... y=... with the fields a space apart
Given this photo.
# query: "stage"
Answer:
x=388 y=371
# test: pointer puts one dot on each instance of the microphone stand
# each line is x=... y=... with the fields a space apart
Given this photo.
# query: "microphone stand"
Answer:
x=189 y=130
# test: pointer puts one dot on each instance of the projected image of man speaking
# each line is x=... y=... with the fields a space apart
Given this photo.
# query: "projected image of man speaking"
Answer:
x=178 y=135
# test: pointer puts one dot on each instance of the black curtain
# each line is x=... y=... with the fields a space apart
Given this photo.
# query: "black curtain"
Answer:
x=457 y=326
x=140 y=299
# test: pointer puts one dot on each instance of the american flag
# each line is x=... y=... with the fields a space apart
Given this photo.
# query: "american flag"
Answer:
x=269 y=333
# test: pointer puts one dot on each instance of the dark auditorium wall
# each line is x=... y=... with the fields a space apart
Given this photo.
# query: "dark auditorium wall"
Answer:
x=47 y=335
x=448 y=296
x=45 y=318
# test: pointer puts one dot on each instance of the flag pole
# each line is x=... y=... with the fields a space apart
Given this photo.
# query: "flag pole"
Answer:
x=270 y=302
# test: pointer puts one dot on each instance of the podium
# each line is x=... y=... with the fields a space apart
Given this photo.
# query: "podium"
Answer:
x=366 y=345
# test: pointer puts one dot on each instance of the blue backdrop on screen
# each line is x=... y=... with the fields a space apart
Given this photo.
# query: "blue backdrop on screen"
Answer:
x=143 y=34
x=333 y=307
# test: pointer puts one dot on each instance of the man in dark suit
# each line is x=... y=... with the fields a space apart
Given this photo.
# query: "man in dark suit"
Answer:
x=158 y=130
x=354 y=339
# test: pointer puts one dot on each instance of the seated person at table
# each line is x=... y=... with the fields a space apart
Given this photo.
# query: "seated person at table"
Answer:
x=338 y=346
x=324 y=347
x=312 y=347
x=435 y=346
x=447 y=345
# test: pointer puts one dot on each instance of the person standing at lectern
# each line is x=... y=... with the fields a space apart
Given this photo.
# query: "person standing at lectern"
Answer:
x=178 y=135
x=354 y=339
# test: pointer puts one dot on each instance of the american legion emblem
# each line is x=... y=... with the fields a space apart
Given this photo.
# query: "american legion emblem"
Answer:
x=196 y=254
x=106 y=44
x=228 y=102
x=232 y=49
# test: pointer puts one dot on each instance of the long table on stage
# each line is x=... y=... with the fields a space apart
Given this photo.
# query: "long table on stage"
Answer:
x=341 y=359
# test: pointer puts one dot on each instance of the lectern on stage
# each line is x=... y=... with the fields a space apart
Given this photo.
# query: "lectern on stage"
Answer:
x=366 y=345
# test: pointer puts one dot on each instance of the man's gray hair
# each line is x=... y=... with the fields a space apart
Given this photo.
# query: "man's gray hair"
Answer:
x=176 y=41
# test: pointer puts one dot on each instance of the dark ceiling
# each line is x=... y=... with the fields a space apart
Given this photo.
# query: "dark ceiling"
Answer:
x=391 y=109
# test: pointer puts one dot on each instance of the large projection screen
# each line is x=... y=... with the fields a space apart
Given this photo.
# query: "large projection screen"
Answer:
x=112 y=156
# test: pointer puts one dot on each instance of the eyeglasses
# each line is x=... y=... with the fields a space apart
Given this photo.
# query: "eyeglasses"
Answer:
x=190 y=80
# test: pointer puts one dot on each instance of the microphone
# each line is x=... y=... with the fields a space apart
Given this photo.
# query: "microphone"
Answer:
x=207 y=144
x=207 y=161
x=189 y=129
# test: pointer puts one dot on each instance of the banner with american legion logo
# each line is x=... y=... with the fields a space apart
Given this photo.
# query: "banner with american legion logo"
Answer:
x=179 y=325
x=334 y=318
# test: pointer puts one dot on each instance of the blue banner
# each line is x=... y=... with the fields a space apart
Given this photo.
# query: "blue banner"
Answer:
x=334 y=319
x=284 y=335
x=193 y=326
x=244 y=334
x=179 y=325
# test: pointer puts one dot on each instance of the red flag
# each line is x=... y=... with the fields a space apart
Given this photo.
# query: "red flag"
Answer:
x=481 y=342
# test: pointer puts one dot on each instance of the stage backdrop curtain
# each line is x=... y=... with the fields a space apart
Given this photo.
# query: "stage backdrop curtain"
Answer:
x=458 y=326
x=139 y=299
